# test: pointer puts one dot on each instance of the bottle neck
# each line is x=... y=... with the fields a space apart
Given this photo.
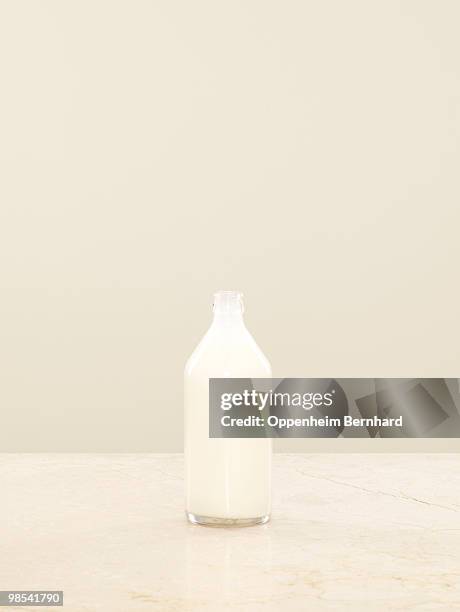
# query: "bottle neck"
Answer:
x=228 y=309
x=225 y=319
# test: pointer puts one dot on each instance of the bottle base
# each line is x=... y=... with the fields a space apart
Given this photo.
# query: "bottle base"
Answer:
x=214 y=521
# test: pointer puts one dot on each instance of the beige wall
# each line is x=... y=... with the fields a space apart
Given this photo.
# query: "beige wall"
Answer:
x=306 y=153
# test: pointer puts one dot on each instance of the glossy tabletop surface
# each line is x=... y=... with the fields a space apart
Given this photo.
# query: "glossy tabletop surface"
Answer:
x=348 y=532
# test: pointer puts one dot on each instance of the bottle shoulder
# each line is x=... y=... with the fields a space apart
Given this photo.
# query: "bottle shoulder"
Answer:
x=228 y=353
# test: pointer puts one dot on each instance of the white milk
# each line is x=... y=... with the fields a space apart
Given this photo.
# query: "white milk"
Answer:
x=227 y=480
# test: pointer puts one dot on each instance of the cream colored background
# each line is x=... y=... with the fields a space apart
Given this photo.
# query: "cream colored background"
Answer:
x=306 y=153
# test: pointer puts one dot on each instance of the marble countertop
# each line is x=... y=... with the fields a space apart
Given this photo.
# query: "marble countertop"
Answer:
x=348 y=532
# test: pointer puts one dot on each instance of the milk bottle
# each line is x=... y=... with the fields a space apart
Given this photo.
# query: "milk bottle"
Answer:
x=227 y=480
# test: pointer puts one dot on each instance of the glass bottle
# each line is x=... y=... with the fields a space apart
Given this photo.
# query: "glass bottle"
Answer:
x=228 y=481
